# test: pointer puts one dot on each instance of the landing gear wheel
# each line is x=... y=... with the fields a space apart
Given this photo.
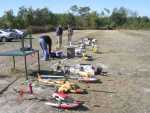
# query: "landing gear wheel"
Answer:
x=4 y=39
x=98 y=71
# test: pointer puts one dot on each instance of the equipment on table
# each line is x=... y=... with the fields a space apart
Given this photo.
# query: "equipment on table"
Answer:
x=27 y=47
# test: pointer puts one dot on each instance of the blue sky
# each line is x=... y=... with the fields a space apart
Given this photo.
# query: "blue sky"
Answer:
x=60 y=6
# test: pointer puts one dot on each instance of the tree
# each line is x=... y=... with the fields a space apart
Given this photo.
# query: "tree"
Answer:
x=25 y=16
x=102 y=13
x=119 y=16
x=92 y=19
x=1 y=22
x=107 y=11
x=74 y=9
x=9 y=18
x=41 y=19
x=132 y=13
x=71 y=19
x=83 y=11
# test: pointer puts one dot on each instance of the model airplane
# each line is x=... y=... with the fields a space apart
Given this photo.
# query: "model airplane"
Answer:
x=63 y=101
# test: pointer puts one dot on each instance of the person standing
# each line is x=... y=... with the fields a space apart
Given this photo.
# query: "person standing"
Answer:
x=59 y=33
x=45 y=41
x=70 y=33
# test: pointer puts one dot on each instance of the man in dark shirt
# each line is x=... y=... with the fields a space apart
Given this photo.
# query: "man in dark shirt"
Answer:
x=45 y=41
x=59 y=33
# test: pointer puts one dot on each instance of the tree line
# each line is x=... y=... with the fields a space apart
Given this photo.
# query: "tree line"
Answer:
x=43 y=20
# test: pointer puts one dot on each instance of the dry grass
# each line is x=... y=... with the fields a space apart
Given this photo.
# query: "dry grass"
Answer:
x=125 y=90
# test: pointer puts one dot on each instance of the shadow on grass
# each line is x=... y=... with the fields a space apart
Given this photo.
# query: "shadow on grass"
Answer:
x=100 y=52
x=99 y=81
x=16 y=40
x=81 y=108
x=94 y=82
x=1 y=43
x=15 y=71
x=4 y=76
x=101 y=91
x=46 y=72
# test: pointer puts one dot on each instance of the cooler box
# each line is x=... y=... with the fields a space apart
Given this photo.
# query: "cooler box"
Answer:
x=71 y=52
x=57 y=54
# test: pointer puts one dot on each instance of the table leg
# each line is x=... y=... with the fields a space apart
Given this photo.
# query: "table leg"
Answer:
x=25 y=61
x=38 y=62
x=14 y=63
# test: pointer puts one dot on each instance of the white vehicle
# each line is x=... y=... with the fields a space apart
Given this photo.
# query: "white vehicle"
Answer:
x=19 y=31
x=5 y=36
x=17 y=34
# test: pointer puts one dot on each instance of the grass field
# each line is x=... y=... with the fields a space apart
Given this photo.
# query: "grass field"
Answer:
x=126 y=89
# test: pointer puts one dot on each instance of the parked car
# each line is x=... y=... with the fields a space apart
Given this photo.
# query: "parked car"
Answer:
x=21 y=33
x=6 y=36
x=14 y=33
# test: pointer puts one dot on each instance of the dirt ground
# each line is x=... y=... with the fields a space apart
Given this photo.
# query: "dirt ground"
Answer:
x=126 y=89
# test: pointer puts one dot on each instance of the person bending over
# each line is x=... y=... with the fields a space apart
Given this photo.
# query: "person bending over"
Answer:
x=46 y=45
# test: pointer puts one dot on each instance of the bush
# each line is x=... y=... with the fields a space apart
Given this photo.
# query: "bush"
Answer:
x=40 y=29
